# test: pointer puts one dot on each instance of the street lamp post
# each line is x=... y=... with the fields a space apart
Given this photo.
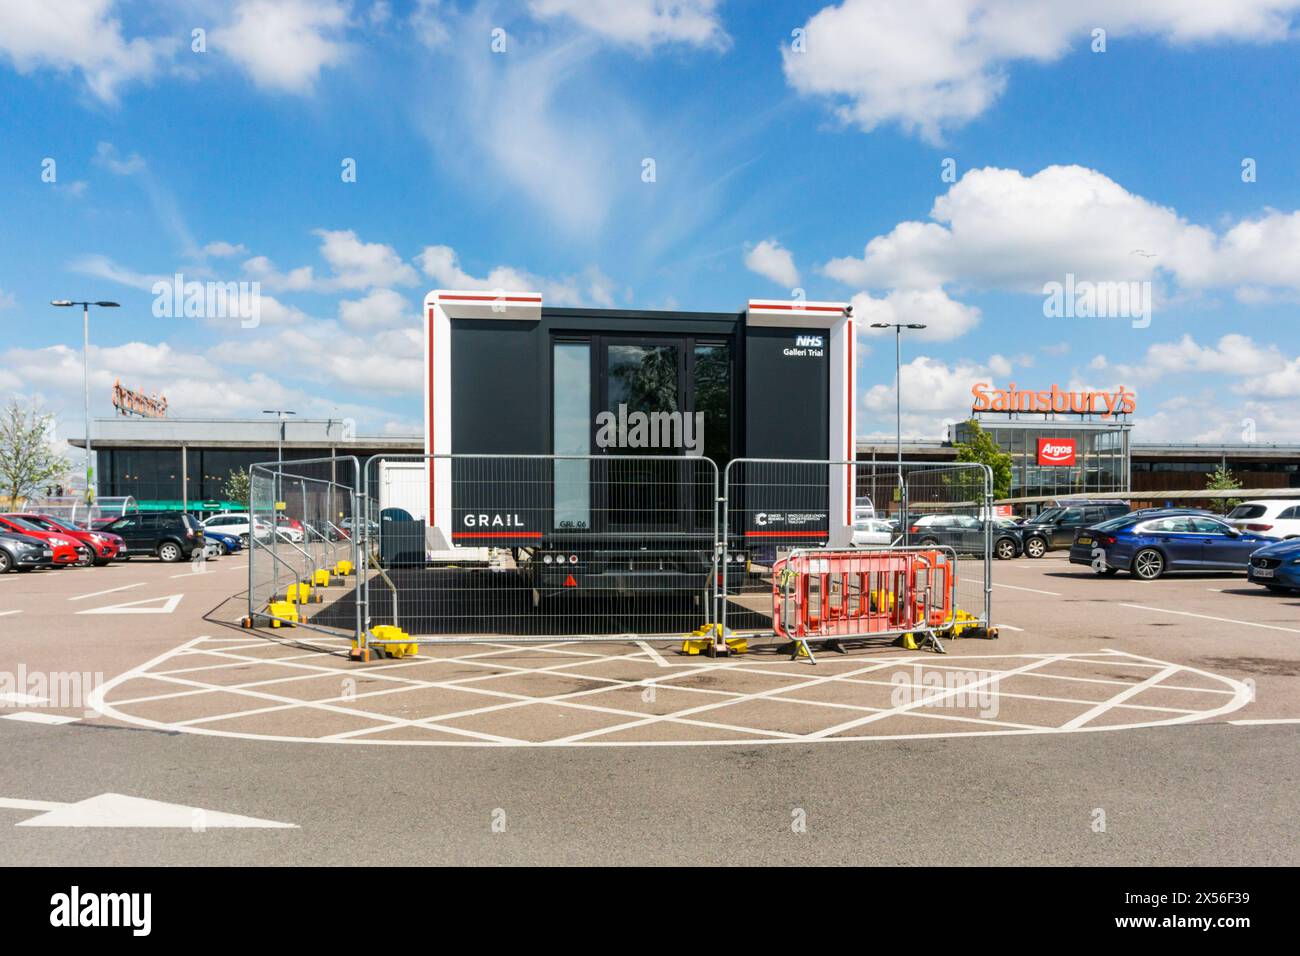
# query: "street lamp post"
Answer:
x=898 y=390
x=85 y=371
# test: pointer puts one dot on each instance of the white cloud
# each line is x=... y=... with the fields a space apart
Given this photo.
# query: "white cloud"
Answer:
x=380 y=309
x=82 y=36
x=934 y=393
x=997 y=228
x=106 y=155
x=773 y=262
x=222 y=250
x=284 y=44
x=7 y=300
x=942 y=317
x=643 y=23
x=103 y=267
x=1234 y=354
x=931 y=65
x=427 y=22
x=593 y=287
x=354 y=265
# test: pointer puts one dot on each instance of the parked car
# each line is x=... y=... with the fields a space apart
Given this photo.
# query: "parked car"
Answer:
x=1272 y=517
x=103 y=545
x=23 y=552
x=237 y=524
x=167 y=535
x=220 y=542
x=67 y=550
x=1054 y=528
x=1276 y=566
x=1152 y=543
x=964 y=534
x=871 y=531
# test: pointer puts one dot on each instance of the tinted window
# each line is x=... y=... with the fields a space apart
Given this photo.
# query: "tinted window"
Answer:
x=1290 y=514
x=1209 y=526
x=1171 y=525
x=1114 y=524
x=1247 y=511
x=124 y=524
x=148 y=522
x=1071 y=516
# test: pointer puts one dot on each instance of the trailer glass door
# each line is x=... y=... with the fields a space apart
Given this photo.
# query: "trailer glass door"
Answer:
x=642 y=401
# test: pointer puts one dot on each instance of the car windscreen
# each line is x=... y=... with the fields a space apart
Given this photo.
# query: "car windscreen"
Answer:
x=24 y=523
x=1247 y=511
x=1051 y=514
x=1114 y=524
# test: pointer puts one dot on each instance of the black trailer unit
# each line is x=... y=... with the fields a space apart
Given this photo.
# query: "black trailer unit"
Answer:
x=506 y=376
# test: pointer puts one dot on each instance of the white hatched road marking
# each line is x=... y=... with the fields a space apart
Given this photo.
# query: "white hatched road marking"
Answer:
x=298 y=667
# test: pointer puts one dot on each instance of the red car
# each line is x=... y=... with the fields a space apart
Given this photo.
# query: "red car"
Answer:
x=104 y=546
x=67 y=549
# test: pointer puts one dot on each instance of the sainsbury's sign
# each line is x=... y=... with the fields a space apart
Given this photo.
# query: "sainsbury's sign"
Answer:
x=1056 y=451
x=1054 y=399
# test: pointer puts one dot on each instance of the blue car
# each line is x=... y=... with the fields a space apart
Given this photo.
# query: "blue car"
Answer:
x=226 y=543
x=1277 y=566
x=1151 y=543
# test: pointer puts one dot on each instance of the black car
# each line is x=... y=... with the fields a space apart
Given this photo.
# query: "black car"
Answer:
x=964 y=534
x=24 y=553
x=1055 y=528
x=167 y=535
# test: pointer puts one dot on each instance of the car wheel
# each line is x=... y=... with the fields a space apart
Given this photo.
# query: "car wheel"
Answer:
x=1148 y=564
x=85 y=562
x=243 y=539
x=6 y=562
x=170 y=552
x=1035 y=547
x=1005 y=549
x=929 y=542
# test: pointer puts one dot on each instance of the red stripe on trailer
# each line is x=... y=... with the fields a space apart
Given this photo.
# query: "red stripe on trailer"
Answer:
x=852 y=451
x=786 y=534
x=433 y=423
x=794 y=307
x=490 y=298
x=496 y=534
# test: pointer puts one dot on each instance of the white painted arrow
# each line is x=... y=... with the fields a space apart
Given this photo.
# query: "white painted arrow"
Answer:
x=138 y=607
x=117 y=810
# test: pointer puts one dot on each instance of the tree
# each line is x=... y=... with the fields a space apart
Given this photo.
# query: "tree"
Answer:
x=981 y=448
x=28 y=459
x=1223 y=480
x=237 y=488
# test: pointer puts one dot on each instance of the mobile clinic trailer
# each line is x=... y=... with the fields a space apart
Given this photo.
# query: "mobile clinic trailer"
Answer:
x=507 y=376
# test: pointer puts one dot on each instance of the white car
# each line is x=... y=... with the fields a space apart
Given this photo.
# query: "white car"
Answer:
x=238 y=525
x=872 y=532
x=1270 y=517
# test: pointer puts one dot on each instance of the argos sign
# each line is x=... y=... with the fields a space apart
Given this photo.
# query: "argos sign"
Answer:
x=1056 y=451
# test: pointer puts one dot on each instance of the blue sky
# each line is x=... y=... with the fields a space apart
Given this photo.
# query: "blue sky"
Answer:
x=795 y=145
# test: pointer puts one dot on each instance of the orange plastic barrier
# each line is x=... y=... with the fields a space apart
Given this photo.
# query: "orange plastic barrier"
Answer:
x=821 y=595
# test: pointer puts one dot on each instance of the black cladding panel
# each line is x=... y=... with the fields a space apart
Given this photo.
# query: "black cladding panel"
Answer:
x=787 y=393
x=498 y=395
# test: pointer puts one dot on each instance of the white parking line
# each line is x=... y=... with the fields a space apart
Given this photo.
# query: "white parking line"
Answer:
x=32 y=717
x=1265 y=720
x=124 y=587
x=1009 y=627
x=7 y=613
x=1033 y=590
x=1119 y=698
x=653 y=654
x=1221 y=620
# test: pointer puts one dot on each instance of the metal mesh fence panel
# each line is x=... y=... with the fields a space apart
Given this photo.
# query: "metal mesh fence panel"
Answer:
x=776 y=508
x=302 y=532
x=532 y=548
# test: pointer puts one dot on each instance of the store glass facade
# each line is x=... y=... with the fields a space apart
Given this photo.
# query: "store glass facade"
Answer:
x=1101 y=456
x=153 y=476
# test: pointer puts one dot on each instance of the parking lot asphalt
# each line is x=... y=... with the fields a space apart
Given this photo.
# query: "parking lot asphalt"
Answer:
x=629 y=753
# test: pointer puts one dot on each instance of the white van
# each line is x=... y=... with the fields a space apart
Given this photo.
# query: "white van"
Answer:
x=1271 y=517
